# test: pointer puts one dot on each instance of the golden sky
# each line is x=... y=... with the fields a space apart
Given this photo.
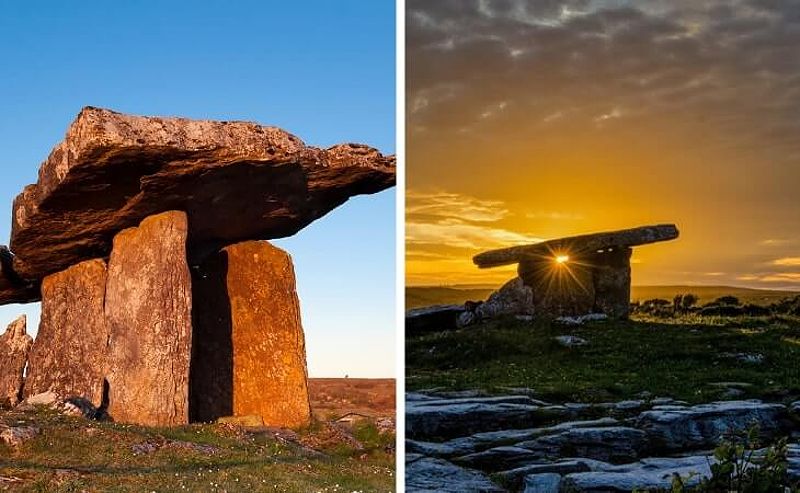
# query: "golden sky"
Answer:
x=532 y=120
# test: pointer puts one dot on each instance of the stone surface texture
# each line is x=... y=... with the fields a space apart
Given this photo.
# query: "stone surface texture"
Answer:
x=637 y=446
x=237 y=181
x=427 y=475
x=69 y=355
x=148 y=311
x=252 y=356
x=15 y=344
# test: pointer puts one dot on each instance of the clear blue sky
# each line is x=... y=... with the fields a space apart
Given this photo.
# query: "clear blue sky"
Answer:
x=322 y=70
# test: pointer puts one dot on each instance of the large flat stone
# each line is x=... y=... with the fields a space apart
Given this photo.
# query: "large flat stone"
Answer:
x=577 y=245
x=249 y=354
x=15 y=344
x=69 y=354
x=148 y=311
x=444 y=419
x=655 y=474
x=237 y=181
x=675 y=428
x=427 y=475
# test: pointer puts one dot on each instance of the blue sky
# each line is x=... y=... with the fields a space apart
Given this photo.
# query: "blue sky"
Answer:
x=322 y=70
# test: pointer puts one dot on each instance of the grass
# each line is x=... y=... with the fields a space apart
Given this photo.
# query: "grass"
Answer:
x=77 y=455
x=681 y=358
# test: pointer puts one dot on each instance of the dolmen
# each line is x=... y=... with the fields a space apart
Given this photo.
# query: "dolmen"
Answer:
x=565 y=277
x=162 y=302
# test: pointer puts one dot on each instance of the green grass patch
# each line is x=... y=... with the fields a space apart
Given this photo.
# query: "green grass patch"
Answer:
x=681 y=358
x=76 y=455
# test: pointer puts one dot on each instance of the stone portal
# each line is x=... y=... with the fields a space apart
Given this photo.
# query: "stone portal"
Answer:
x=569 y=276
x=153 y=196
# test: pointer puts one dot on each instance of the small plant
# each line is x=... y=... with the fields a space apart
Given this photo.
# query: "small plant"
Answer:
x=743 y=467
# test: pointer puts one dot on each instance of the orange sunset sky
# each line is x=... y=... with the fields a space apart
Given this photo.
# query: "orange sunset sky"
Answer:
x=531 y=120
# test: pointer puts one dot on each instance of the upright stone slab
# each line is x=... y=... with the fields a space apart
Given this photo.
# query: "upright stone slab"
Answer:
x=148 y=311
x=69 y=355
x=250 y=356
x=15 y=344
x=612 y=282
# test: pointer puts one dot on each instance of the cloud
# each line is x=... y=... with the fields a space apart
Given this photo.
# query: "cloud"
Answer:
x=787 y=262
x=458 y=221
x=772 y=277
x=733 y=63
x=554 y=215
x=451 y=205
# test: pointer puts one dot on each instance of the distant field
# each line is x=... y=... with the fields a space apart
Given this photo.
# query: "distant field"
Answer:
x=335 y=397
x=419 y=296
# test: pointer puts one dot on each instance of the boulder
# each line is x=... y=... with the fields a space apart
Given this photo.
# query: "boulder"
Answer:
x=250 y=356
x=513 y=298
x=237 y=181
x=434 y=318
x=69 y=354
x=148 y=311
x=15 y=344
x=426 y=475
x=676 y=428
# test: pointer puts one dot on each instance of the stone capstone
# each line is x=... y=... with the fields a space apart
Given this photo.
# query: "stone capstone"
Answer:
x=15 y=344
x=68 y=356
x=237 y=181
x=250 y=358
x=148 y=311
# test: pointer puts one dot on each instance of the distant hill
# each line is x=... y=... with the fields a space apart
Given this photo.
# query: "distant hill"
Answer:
x=419 y=296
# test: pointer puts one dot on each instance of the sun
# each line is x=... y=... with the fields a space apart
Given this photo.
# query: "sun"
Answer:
x=562 y=259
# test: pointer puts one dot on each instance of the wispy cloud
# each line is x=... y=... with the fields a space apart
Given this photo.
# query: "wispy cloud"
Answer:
x=459 y=221
x=452 y=205
x=554 y=215
x=457 y=233
x=787 y=262
x=772 y=277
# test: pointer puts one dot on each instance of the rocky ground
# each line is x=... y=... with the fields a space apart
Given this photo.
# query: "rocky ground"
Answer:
x=536 y=405
x=466 y=442
x=50 y=449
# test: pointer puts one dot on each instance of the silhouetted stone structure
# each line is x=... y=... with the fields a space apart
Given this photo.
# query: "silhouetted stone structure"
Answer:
x=191 y=319
x=569 y=276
